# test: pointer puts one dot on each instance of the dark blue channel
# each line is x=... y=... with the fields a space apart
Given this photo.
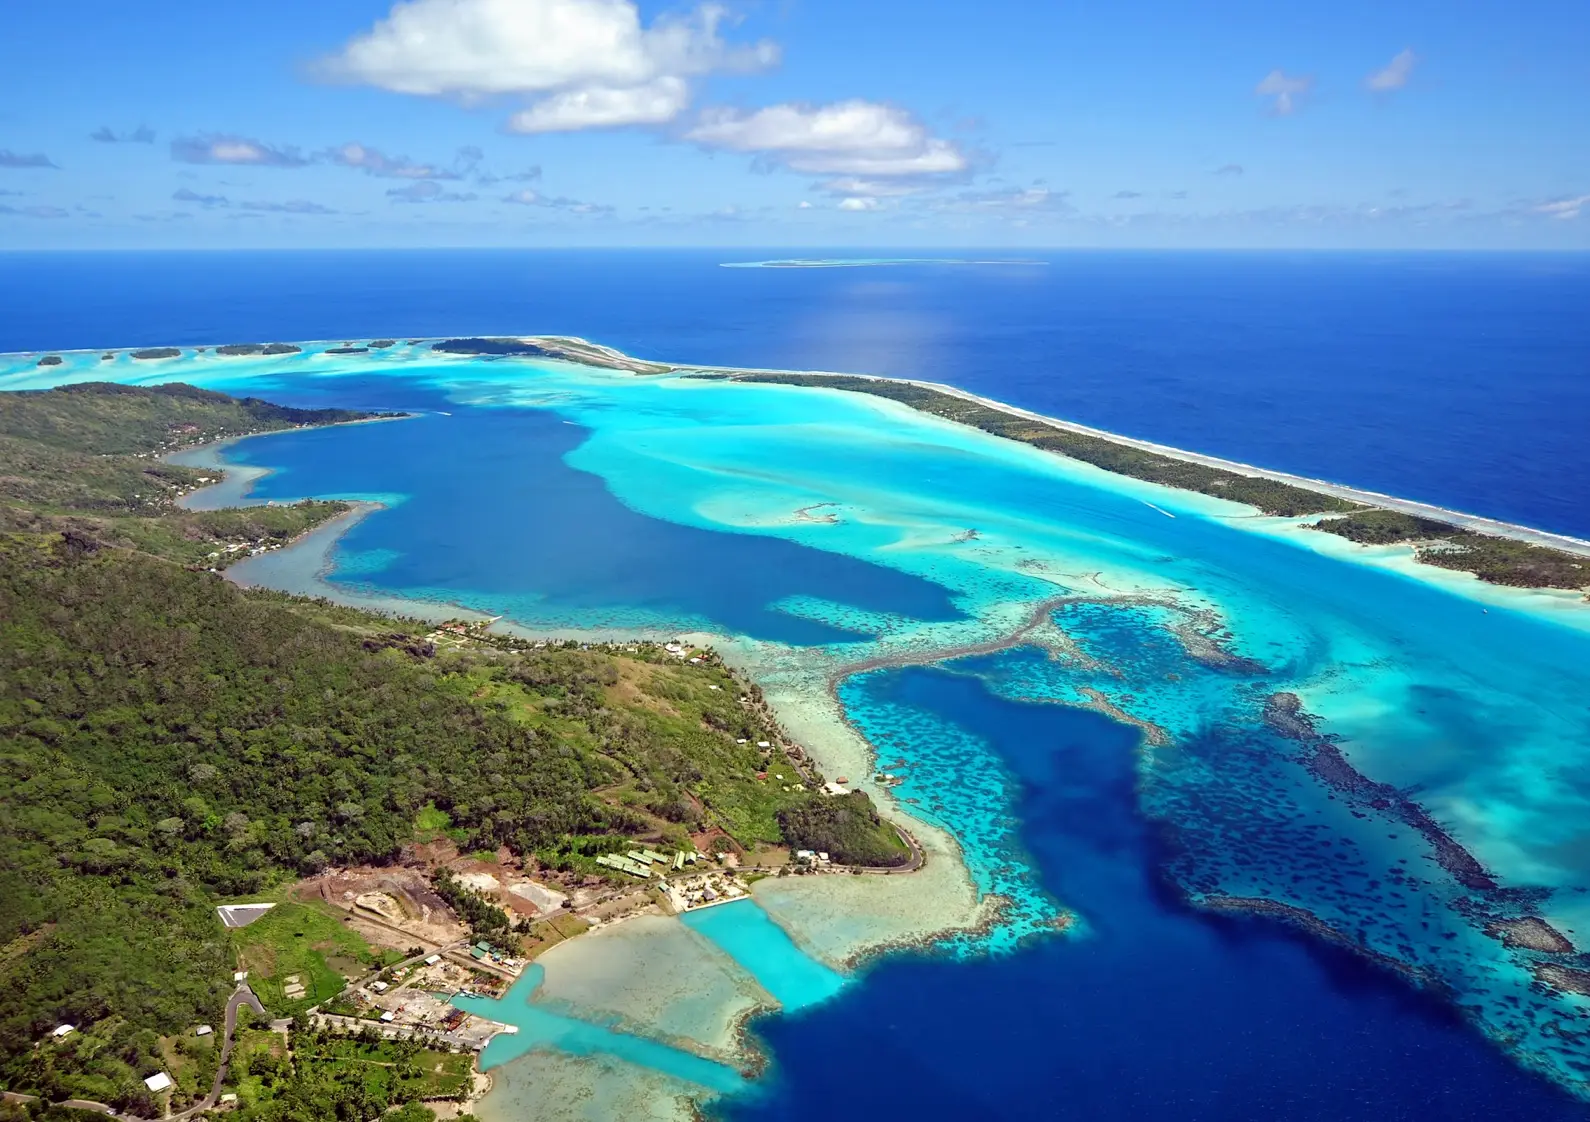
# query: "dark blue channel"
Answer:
x=1159 y=1014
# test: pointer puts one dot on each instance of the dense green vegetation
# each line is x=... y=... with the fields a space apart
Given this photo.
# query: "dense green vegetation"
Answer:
x=169 y=741
x=324 y=1075
x=107 y=419
x=83 y=460
x=847 y=828
x=1492 y=559
x=258 y=349
x=1268 y=495
x=487 y=922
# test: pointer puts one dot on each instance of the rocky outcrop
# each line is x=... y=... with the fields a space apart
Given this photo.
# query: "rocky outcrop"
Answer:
x=1530 y=933
x=1284 y=713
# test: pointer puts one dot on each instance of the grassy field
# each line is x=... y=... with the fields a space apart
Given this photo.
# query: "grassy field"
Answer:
x=547 y=933
x=257 y=1056
x=307 y=942
x=191 y=1061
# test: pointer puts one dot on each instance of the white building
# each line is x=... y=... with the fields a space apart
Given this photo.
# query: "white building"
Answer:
x=158 y=1082
x=62 y=1030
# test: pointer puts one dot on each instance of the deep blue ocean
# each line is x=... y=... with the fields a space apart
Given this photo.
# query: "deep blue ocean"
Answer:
x=1463 y=380
x=1160 y=1014
x=1458 y=379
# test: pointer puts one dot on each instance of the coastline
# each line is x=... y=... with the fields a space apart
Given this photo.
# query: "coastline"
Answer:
x=1460 y=519
x=578 y=348
x=824 y=931
x=237 y=480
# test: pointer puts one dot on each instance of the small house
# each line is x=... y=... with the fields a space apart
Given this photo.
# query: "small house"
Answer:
x=388 y=1017
x=433 y=960
x=203 y=1030
x=158 y=1082
x=62 y=1030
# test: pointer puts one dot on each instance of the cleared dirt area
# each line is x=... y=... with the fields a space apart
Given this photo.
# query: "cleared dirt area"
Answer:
x=391 y=907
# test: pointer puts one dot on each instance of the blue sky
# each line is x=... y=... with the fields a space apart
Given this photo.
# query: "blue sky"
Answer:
x=795 y=122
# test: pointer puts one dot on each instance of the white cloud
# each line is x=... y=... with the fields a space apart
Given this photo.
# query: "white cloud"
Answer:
x=858 y=203
x=1017 y=200
x=375 y=162
x=589 y=63
x=224 y=148
x=1394 y=75
x=857 y=138
x=877 y=188
x=291 y=206
x=428 y=191
x=36 y=211
x=528 y=197
x=186 y=195
x=1564 y=209
x=143 y=134
x=1286 y=91
x=656 y=103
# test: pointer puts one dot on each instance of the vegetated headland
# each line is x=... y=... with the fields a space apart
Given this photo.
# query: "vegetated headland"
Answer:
x=551 y=346
x=425 y=808
x=87 y=460
x=1493 y=551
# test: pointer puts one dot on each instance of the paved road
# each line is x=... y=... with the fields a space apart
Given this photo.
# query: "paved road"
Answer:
x=75 y=1104
x=242 y=996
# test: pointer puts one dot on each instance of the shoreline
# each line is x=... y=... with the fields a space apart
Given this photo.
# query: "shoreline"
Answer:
x=244 y=476
x=334 y=529
x=1483 y=524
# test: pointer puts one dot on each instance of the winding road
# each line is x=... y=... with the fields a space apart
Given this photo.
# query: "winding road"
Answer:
x=240 y=997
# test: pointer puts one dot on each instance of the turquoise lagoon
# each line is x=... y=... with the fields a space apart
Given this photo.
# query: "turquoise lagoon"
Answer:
x=825 y=539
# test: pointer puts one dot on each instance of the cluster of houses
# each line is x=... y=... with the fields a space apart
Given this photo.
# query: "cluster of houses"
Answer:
x=646 y=862
x=704 y=890
x=157 y=1082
